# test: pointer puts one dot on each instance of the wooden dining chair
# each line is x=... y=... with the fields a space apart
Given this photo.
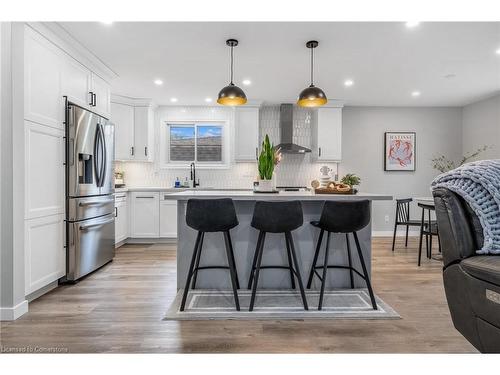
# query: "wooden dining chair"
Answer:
x=402 y=217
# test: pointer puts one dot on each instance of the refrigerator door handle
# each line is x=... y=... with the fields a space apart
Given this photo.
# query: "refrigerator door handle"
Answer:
x=102 y=223
x=97 y=166
x=104 y=155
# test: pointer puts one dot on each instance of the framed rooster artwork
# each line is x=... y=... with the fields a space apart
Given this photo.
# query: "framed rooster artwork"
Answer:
x=399 y=151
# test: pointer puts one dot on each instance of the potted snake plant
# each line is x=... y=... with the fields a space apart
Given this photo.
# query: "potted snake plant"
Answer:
x=268 y=159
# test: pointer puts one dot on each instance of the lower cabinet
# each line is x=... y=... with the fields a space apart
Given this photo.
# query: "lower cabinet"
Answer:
x=145 y=215
x=45 y=254
x=121 y=217
x=168 y=218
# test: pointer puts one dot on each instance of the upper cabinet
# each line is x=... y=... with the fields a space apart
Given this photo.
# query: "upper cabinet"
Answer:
x=246 y=141
x=134 y=129
x=50 y=74
x=327 y=134
x=101 y=92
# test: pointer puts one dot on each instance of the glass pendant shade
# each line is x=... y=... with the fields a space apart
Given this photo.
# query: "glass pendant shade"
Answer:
x=312 y=96
x=231 y=95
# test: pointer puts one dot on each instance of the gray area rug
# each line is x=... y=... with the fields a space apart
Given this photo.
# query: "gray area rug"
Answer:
x=206 y=304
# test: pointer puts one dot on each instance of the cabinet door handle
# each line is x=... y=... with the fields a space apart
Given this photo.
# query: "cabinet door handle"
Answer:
x=143 y=197
x=116 y=211
x=146 y=151
x=257 y=153
x=319 y=152
x=91 y=98
x=132 y=150
x=94 y=99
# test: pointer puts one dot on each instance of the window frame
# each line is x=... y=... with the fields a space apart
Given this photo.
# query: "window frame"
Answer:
x=166 y=163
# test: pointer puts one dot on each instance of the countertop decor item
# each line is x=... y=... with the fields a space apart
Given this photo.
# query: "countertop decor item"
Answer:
x=231 y=95
x=442 y=164
x=351 y=179
x=268 y=159
x=399 y=151
x=312 y=96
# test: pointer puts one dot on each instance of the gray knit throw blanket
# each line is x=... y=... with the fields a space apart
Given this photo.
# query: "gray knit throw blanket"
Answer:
x=479 y=184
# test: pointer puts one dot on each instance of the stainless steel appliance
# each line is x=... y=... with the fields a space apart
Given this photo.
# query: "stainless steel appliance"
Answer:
x=90 y=221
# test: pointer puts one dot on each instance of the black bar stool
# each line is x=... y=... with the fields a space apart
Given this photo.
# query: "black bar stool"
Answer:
x=211 y=215
x=342 y=217
x=276 y=217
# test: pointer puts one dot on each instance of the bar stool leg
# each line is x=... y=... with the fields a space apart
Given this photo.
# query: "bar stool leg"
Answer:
x=290 y=264
x=315 y=260
x=232 y=270
x=257 y=270
x=365 y=272
x=255 y=256
x=350 y=259
x=195 y=276
x=233 y=259
x=289 y=238
x=190 y=272
x=325 y=269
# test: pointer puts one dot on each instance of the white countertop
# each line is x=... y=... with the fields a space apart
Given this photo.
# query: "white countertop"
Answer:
x=282 y=195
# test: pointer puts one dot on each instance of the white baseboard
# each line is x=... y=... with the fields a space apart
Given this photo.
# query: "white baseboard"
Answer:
x=12 y=313
x=399 y=233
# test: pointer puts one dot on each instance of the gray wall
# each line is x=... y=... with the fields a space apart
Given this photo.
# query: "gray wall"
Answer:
x=481 y=126
x=438 y=130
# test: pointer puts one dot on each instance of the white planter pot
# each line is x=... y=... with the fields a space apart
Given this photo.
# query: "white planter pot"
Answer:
x=266 y=185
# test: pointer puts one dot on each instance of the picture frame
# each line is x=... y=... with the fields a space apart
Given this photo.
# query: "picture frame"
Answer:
x=400 y=151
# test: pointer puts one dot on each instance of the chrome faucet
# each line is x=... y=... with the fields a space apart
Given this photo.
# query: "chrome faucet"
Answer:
x=193 y=175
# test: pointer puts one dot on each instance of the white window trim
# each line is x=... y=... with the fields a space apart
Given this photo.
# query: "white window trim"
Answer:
x=165 y=162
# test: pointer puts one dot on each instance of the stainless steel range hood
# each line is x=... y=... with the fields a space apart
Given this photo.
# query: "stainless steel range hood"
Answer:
x=286 y=129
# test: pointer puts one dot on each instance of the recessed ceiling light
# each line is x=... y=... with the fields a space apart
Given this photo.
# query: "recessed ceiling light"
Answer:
x=174 y=100
x=415 y=94
x=158 y=82
x=208 y=100
x=348 y=82
x=107 y=22
x=246 y=82
x=412 y=24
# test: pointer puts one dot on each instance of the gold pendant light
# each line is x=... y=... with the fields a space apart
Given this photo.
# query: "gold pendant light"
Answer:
x=231 y=95
x=312 y=96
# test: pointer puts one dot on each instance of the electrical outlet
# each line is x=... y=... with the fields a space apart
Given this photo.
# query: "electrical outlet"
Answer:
x=386 y=218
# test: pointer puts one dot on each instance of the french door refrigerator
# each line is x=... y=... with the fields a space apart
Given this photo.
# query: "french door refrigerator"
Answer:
x=90 y=219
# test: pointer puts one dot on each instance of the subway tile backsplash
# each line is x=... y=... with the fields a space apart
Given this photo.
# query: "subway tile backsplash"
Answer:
x=294 y=170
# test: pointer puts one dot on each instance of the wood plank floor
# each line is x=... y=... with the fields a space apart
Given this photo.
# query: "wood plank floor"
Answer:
x=120 y=309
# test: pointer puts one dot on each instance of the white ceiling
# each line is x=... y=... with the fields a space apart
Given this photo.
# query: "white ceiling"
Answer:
x=387 y=61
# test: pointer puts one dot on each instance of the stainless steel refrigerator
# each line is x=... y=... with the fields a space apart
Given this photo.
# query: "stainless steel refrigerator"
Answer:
x=90 y=219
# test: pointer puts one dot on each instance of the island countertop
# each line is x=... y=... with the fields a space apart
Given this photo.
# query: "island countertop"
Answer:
x=249 y=195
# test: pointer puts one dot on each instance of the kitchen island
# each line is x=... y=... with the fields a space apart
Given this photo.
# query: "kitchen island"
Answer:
x=244 y=239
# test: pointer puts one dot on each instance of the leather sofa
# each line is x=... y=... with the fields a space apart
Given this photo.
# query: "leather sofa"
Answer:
x=471 y=281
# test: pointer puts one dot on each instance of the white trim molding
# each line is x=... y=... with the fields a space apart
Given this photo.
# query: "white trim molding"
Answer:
x=12 y=313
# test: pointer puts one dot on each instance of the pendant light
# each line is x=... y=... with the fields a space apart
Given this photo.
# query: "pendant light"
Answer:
x=312 y=96
x=231 y=94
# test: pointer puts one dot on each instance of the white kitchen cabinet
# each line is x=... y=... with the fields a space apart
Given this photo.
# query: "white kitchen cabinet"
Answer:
x=44 y=254
x=145 y=215
x=143 y=133
x=168 y=218
x=102 y=99
x=121 y=217
x=76 y=83
x=327 y=135
x=246 y=144
x=122 y=116
x=43 y=101
x=44 y=170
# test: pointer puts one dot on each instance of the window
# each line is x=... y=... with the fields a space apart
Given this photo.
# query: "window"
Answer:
x=204 y=143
